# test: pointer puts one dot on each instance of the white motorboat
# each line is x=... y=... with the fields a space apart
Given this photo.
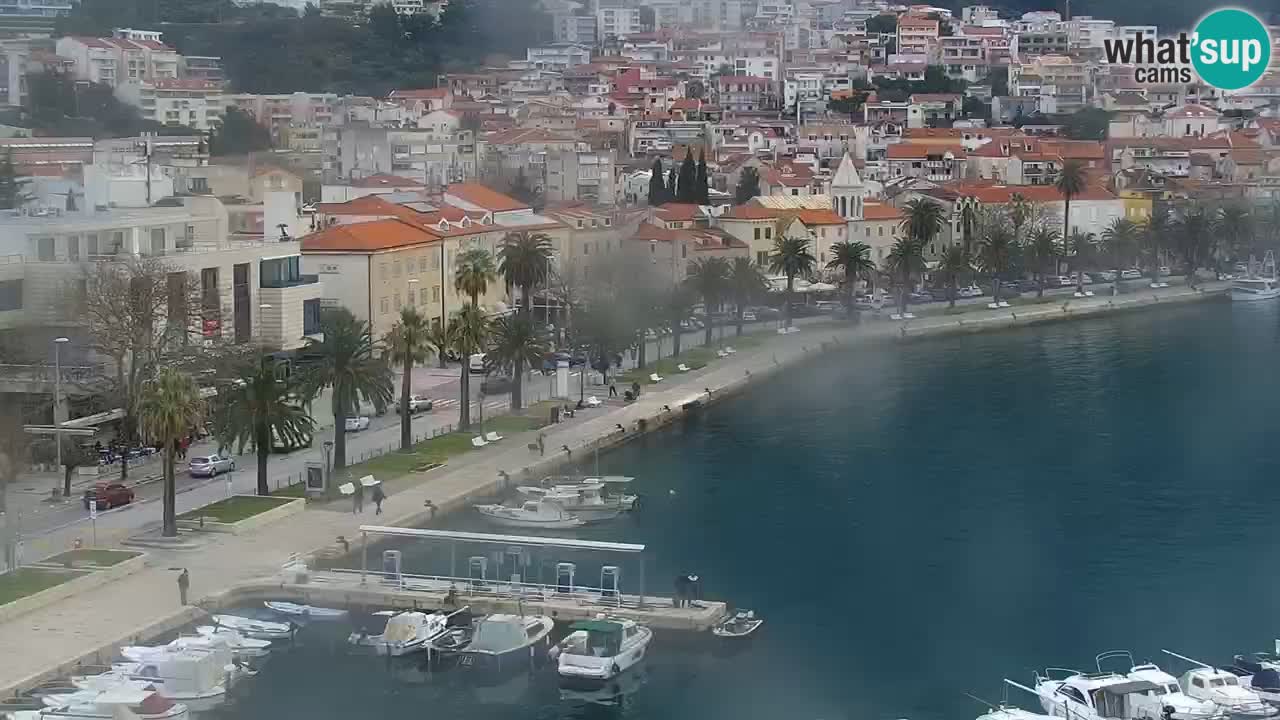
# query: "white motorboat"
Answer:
x=453 y=640
x=1005 y=712
x=406 y=633
x=600 y=650
x=131 y=700
x=1223 y=689
x=260 y=629
x=740 y=624
x=242 y=647
x=504 y=642
x=307 y=611
x=1259 y=283
x=1259 y=672
x=196 y=677
x=587 y=500
x=531 y=514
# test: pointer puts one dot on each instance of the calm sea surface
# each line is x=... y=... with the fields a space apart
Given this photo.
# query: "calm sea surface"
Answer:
x=916 y=523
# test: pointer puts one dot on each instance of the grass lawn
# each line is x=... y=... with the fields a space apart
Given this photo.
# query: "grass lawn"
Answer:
x=27 y=581
x=694 y=358
x=235 y=509
x=100 y=558
x=293 y=492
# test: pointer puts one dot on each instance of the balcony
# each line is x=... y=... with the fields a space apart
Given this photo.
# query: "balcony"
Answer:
x=297 y=281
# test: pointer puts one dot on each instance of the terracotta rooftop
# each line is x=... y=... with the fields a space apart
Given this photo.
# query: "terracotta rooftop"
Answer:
x=367 y=237
x=481 y=196
x=880 y=211
x=821 y=217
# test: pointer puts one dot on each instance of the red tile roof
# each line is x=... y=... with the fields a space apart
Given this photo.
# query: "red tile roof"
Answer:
x=678 y=212
x=821 y=217
x=913 y=151
x=367 y=237
x=751 y=211
x=880 y=211
x=484 y=197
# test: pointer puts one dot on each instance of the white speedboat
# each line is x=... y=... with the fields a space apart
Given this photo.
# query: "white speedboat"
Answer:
x=1005 y=712
x=406 y=633
x=197 y=678
x=1259 y=672
x=600 y=650
x=740 y=624
x=1223 y=689
x=307 y=611
x=504 y=642
x=531 y=514
x=242 y=647
x=132 y=700
x=260 y=629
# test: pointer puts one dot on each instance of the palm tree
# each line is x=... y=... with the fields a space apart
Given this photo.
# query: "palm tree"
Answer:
x=524 y=261
x=709 y=278
x=995 y=255
x=169 y=408
x=1192 y=232
x=1153 y=235
x=953 y=266
x=473 y=274
x=745 y=283
x=923 y=220
x=1234 y=228
x=1118 y=240
x=791 y=257
x=1043 y=250
x=440 y=343
x=854 y=260
x=514 y=343
x=676 y=308
x=1019 y=215
x=1070 y=183
x=259 y=407
x=467 y=334
x=408 y=346
x=346 y=361
x=1081 y=247
x=904 y=261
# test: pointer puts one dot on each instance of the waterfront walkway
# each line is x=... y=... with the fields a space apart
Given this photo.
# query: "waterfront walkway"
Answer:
x=42 y=642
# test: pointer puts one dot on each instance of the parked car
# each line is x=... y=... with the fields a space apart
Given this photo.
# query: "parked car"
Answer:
x=1023 y=286
x=574 y=359
x=417 y=404
x=356 y=424
x=282 y=445
x=920 y=296
x=476 y=363
x=748 y=316
x=767 y=313
x=1104 y=276
x=210 y=465
x=496 y=385
x=1076 y=276
x=799 y=310
x=827 y=306
x=1007 y=290
x=969 y=291
x=1131 y=274
x=108 y=495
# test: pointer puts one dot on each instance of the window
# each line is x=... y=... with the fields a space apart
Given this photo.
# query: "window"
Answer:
x=435 y=293
x=397 y=303
x=881 y=231
x=45 y=249
x=1072 y=694
x=684 y=251
x=768 y=233
x=395 y=270
x=157 y=241
x=311 y=317
x=11 y=295
x=422 y=264
x=586 y=248
x=91 y=244
x=758 y=233
x=73 y=248
x=422 y=296
x=382 y=306
x=117 y=242
x=200 y=185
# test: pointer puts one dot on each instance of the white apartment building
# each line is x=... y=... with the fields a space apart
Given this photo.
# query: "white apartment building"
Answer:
x=192 y=103
x=964 y=57
x=579 y=29
x=1061 y=83
x=579 y=176
x=438 y=153
x=617 y=20
x=557 y=57
x=129 y=56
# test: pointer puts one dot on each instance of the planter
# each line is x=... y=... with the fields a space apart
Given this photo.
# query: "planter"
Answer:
x=249 y=524
x=86 y=581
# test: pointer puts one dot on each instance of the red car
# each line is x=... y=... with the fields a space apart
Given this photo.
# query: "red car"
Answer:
x=108 y=495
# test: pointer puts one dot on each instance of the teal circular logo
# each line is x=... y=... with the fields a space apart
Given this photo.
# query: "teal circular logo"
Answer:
x=1231 y=49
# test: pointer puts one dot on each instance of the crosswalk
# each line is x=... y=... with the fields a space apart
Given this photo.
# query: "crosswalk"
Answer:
x=454 y=402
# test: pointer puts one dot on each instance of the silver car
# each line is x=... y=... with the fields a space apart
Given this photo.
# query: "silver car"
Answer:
x=211 y=465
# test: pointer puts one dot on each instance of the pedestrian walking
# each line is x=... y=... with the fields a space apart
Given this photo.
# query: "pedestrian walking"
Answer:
x=635 y=389
x=378 y=497
x=613 y=390
x=542 y=445
x=357 y=499
x=184 y=583
x=431 y=508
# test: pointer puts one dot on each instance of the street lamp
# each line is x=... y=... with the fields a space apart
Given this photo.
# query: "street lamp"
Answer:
x=328 y=448
x=57 y=392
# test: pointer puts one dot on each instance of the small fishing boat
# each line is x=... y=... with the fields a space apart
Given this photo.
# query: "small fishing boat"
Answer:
x=587 y=500
x=1259 y=283
x=740 y=624
x=242 y=647
x=504 y=642
x=260 y=629
x=531 y=514
x=1223 y=689
x=453 y=640
x=307 y=611
x=1259 y=672
x=196 y=677
x=406 y=633
x=601 y=649
x=135 y=699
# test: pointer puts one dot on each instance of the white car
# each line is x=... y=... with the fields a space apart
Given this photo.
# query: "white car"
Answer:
x=417 y=403
x=1131 y=274
x=475 y=363
x=210 y=465
x=748 y=316
x=969 y=291
x=1087 y=280
x=356 y=424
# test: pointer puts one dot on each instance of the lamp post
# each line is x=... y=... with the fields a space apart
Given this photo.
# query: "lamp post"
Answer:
x=328 y=448
x=57 y=392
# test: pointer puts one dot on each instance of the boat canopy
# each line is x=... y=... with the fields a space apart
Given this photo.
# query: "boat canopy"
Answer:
x=1266 y=680
x=499 y=633
x=600 y=626
x=1131 y=687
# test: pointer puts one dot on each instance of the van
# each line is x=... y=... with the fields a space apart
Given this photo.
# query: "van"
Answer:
x=476 y=363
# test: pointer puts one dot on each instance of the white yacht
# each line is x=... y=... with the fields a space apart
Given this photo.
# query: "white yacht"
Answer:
x=260 y=629
x=406 y=633
x=601 y=649
x=128 y=701
x=197 y=678
x=1143 y=693
x=1223 y=689
x=531 y=514
x=1259 y=672
x=587 y=500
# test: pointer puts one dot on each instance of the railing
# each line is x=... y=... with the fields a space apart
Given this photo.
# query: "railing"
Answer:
x=465 y=587
x=290 y=282
x=45 y=373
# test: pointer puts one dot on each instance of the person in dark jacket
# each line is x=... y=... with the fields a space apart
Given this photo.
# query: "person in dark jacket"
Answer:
x=184 y=584
x=378 y=497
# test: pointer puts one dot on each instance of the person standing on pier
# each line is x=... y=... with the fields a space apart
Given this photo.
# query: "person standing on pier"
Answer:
x=184 y=583
x=542 y=445
x=357 y=499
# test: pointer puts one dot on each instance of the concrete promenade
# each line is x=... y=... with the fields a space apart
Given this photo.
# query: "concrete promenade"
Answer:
x=87 y=627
